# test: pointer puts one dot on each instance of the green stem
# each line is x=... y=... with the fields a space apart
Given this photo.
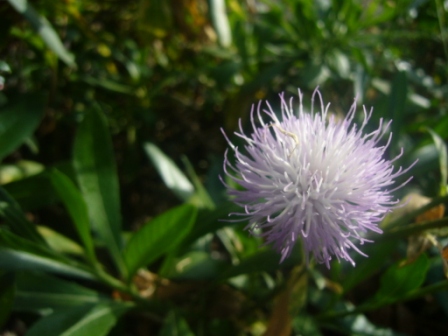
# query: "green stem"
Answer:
x=409 y=230
x=403 y=220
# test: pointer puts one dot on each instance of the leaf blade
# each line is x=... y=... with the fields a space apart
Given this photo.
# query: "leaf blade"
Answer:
x=38 y=291
x=97 y=178
x=76 y=207
x=17 y=253
x=159 y=236
x=18 y=121
x=84 y=320
x=173 y=177
x=44 y=29
x=14 y=216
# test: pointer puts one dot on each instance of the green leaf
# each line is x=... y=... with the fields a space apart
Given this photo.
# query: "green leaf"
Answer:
x=17 y=253
x=399 y=281
x=7 y=293
x=443 y=158
x=19 y=171
x=76 y=207
x=18 y=122
x=44 y=29
x=97 y=177
x=220 y=22
x=173 y=177
x=16 y=219
x=159 y=236
x=37 y=292
x=194 y=265
x=201 y=197
x=264 y=260
x=80 y=321
x=210 y=221
x=13 y=260
x=108 y=85
x=377 y=253
x=4 y=67
x=28 y=191
x=59 y=243
x=306 y=325
x=175 y=325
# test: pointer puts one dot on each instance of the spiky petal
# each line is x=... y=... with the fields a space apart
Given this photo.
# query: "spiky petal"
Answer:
x=312 y=177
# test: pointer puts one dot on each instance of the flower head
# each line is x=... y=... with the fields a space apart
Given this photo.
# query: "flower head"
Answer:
x=314 y=178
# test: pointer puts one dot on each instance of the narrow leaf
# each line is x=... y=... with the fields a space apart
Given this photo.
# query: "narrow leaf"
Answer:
x=174 y=179
x=16 y=219
x=17 y=253
x=159 y=236
x=201 y=197
x=44 y=29
x=18 y=122
x=399 y=281
x=28 y=191
x=60 y=243
x=38 y=291
x=220 y=22
x=13 y=260
x=443 y=158
x=76 y=207
x=97 y=177
x=80 y=321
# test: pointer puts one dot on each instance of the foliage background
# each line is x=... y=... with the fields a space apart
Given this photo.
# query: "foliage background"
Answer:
x=162 y=78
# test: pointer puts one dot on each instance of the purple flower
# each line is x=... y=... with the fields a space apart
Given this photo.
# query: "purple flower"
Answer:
x=312 y=177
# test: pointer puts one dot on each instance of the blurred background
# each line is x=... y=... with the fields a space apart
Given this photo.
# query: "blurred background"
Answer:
x=173 y=73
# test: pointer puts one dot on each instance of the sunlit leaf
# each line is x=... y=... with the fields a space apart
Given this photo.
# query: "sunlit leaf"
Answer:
x=221 y=22
x=91 y=319
x=13 y=260
x=58 y=242
x=44 y=29
x=359 y=325
x=19 y=171
x=174 y=179
x=159 y=236
x=4 y=67
x=28 y=191
x=17 y=253
x=97 y=177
